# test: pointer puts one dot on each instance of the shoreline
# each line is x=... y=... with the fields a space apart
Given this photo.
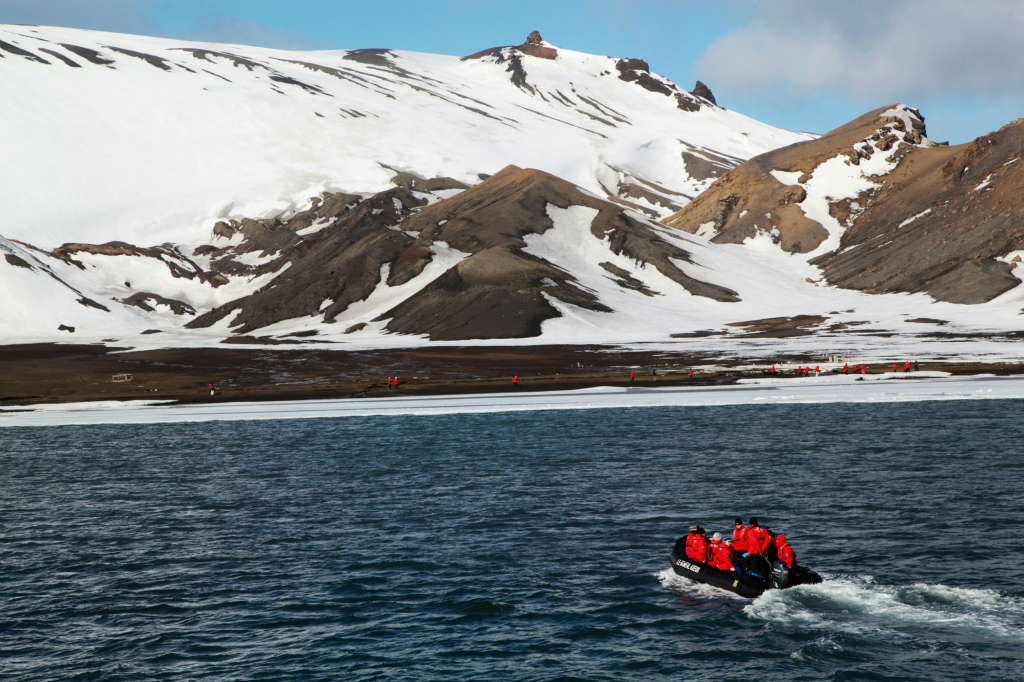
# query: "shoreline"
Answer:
x=41 y=374
x=881 y=389
x=58 y=374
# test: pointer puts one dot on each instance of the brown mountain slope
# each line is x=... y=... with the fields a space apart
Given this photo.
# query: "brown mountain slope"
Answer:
x=497 y=291
x=974 y=198
x=966 y=199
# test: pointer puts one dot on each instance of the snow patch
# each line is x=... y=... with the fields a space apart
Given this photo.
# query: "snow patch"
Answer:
x=706 y=230
x=915 y=217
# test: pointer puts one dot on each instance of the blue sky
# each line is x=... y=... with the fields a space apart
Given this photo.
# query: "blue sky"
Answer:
x=799 y=64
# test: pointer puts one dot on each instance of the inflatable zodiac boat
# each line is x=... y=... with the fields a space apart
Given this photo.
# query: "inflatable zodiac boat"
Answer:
x=752 y=584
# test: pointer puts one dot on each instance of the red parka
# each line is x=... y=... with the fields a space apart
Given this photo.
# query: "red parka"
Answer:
x=697 y=548
x=721 y=556
x=757 y=540
x=786 y=553
x=739 y=539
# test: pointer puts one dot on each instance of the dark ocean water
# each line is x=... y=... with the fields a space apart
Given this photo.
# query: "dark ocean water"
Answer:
x=518 y=546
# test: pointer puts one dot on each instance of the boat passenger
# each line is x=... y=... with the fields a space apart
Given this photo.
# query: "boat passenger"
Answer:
x=739 y=532
x=786 y=553
x=756 y=538
x=721 y=554
x=772 y=552
x=697 y=545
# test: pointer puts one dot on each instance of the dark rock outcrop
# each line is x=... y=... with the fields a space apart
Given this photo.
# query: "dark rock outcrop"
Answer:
x=704 y=92
x=88 y=53
x=14 y=49
x=534 y=47
x=639 y=72
x=17 y=261
x=144 y=299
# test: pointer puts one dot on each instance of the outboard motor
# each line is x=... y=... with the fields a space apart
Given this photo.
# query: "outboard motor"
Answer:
x=780 y=575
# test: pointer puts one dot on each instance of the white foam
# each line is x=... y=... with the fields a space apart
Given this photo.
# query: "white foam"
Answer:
x=860 y=605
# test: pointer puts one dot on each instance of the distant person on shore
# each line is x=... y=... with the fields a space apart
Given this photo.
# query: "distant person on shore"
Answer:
x=654 y=375
x=396 y=382
x=863 y=369
x=906 y=366
x=515 y=381
x=917 y=367
x=720 y=554
x=389 y=383
x=211 y=389
x=632 y=375
x=691 y=372
x=773 y=369
x=846 y=368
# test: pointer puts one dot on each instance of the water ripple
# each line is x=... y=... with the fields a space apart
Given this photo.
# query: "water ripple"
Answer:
x=513 y=546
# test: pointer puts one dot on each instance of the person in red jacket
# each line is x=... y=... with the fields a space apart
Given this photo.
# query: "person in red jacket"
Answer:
x=389 y=383
x=515 y=381
x=697 y=545
x=756 y=537
x=739 y=533
x=720 y=554
x=786 y=553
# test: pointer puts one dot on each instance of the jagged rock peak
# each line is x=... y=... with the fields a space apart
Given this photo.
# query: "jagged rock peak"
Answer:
x=624 y=65
x=534 y=47
x=701 y=90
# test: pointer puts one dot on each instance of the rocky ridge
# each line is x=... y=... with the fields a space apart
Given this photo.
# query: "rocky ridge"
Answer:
x=889 y=210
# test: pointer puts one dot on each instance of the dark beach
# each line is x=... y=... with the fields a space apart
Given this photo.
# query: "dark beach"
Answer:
x=54 y=373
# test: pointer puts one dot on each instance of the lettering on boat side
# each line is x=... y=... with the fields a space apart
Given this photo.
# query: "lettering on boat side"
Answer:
x=685 y=564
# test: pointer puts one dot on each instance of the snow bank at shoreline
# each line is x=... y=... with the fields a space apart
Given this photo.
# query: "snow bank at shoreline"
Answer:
x=807 y=391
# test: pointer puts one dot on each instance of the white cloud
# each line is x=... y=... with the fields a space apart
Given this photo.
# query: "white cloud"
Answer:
x=872 y=51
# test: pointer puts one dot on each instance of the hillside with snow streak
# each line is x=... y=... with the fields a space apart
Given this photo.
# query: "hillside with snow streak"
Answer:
x=146 y=140
x=166 y=194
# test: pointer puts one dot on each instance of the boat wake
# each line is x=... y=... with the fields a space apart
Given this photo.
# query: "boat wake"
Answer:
x=859 y=605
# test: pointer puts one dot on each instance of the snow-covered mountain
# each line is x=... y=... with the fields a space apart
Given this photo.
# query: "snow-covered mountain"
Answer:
x=147 y=140
x=158 y=192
